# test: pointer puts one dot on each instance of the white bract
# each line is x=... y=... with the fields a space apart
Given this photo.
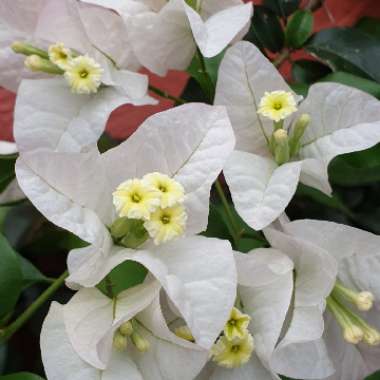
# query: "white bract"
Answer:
x=94 y=337
x=167 y=37
x=74 y=190
x=357 y=257
x=262 y=174
x=265 y=287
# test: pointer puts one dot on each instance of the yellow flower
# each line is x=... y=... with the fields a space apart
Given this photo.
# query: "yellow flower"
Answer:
x=172 y=192
x=237 y=325
x=232 y=353
x=166 y=223
x=277 y=105
x=84 y=75
x=135 y=199
x=60 y=55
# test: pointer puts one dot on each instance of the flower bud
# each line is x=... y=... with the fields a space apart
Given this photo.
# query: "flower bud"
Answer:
x=281 y=146
x=371 y=337
x=353 y=334
x=184 y=333
x=140 y=342
x=27 y=49
x=129 y=233
x=126 y=328
x=364 y=301
x=298 y=131
x=120 y=342
x=36 y=63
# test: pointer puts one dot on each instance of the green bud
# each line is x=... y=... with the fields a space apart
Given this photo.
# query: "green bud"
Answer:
x=36 y=63
x=120 y=342
x=298 y=131
x=140 y=342
x=27 y=49
x=193 y=4
x=280 y=143
x=129 y=233
x=126 y=328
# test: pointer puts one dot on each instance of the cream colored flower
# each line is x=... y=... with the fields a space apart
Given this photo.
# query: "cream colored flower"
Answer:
x=277 y=105
x=60 y=55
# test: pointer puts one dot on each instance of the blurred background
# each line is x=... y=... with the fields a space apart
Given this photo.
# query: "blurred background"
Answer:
x=310 y=41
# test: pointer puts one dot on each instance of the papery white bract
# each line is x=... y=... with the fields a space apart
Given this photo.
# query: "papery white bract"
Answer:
x=168 y=39
x=77 y=339
x=357 y=255
x=265 y=278
x=342 y=120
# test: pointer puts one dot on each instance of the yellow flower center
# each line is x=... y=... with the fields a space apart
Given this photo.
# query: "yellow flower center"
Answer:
x=277 y=105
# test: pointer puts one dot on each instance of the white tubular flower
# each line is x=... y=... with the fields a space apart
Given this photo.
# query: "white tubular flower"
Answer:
x=256 y=97
x=87 y=341
x=60 y=55
x=165 y=224
x=136 y=199
x=74 y=191
x=172 y=192
x=168 y=38
x=84 y=75
x=356 y=256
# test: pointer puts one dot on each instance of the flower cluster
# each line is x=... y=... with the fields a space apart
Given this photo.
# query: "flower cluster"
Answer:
x=192 y=306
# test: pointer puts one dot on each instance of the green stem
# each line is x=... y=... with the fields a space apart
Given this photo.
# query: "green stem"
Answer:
x=7 y=333
x=209 y=88
x=165 y=95
x=283 y=56
x=234 y=227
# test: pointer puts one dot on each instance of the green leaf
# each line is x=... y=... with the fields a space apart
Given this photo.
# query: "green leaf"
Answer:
x=124 y=276
x=10 y=277
x=307 y=71
x=356 y=169
x=360 y=83
x=266 y=29
x=30 y=274
x=300 y=88
x=7 y=172
x=369 y=26
x=21 y=376
x=374 y=376
x=282 y=7
x=299 y=28
x=349 y=50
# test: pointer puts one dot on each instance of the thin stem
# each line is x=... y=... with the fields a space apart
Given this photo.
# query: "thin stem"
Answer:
x=6 y=333
x=283 y=56
x=165 y=95
x=234 y=227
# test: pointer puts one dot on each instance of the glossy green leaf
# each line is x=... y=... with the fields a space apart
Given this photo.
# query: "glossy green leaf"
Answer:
x=307 y=71
x=360 y=83
x=30 y=274
x=374 y=376
x=266 y=29
x=21 y=376
x=358 y=168
x=300 y=88
x=10 y=277
x=124 y=276
x=349 y=50
x=282 y=7
x=369 y=26
x=299 y=28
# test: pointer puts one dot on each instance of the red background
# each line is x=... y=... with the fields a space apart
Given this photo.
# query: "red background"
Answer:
x=126 y=119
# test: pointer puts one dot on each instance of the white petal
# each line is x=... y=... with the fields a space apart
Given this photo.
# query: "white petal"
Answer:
x=343 y=120
x=7 y=148
x=260 y=189
x=60 y=360
x=244 y=76
x=190 y=143
x=314 y=173
x=357 y=251
x=220 y=29
x=267 y=299
x=48 y=115
x=62 y=187
x=210 y=7
x=192 y=271
x=90 y=322
x=163 y=41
